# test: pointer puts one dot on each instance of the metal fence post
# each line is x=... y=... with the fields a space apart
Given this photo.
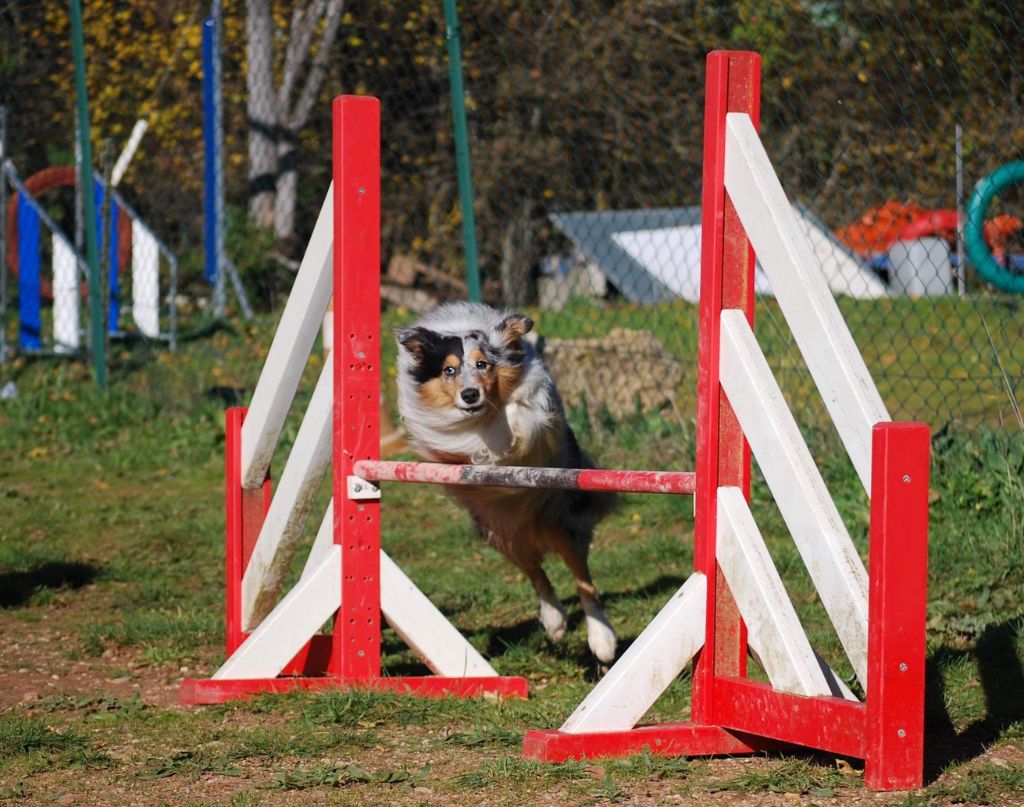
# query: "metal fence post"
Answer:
x=3 y=239
x=96 y=318
x=462 y=149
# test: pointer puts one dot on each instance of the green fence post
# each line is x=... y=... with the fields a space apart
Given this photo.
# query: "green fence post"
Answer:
x=98 y=337
x=462 y=150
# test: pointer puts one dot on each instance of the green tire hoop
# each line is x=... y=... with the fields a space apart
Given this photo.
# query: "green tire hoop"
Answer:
x=984 y=192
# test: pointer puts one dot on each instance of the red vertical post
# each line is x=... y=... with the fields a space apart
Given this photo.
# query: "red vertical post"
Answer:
x=733 y=84
x=356 y=645
x=244 y=512
x=898 y=592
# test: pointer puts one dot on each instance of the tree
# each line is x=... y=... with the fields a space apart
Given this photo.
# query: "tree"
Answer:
x=277 y=111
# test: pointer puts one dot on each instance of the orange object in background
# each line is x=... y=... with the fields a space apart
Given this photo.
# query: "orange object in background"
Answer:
x=880 y=227
x=998 y=232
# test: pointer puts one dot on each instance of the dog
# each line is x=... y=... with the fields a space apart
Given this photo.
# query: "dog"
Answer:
x=473 y=390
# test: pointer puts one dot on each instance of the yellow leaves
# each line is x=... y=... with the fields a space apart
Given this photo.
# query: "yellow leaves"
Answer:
x=38 y=453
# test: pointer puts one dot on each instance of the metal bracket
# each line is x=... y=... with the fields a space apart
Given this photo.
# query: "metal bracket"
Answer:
x=360 y=489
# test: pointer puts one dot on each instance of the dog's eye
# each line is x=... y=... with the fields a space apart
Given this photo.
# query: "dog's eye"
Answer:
x=449 y=370
x=481 y=365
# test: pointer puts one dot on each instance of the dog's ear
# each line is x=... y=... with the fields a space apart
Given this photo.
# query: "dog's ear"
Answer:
x=512 y=327
x=416 y=340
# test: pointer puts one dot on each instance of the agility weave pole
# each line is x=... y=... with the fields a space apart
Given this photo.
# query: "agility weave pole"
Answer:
x=734 y=595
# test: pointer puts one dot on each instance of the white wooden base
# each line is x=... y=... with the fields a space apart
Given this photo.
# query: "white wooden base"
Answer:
x=651 y=663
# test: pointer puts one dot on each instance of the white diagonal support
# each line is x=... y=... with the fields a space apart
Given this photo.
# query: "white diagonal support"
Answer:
x=279 y=536
x=323 y=542
x=651 y=663
x=290 y=625
x=800 y=287
x=290 y=350
x=804 y=501
x=424 y=628
x=411 y=614
x=783 y=649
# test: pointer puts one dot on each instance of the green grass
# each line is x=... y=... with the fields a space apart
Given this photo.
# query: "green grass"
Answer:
x=111 y=532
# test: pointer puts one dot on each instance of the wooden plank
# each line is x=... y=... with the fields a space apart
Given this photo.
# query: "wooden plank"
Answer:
x=785 y=653
x=648 y=666
x=837 y=686
x=804 y=501
x=732 y=84
x=67 y=320
x=289 y=351
x=308 y=462
x=514 y=476
x=357 y=356
x=663 y=739
x=899 y=596
x=424 y=628
x=269 y=648
x=322 y=543
x=831 y=724
x=803 y=294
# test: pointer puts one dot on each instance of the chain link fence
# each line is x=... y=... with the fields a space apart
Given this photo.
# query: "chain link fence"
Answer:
x=585 y=125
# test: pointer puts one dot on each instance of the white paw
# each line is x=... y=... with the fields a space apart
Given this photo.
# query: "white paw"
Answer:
x=552 y=617
x=601 y=637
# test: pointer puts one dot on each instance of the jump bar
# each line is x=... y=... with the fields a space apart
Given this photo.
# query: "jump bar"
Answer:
x=512 y=476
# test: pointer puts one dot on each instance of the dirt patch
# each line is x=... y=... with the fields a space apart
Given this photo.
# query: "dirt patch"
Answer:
x=43 y=658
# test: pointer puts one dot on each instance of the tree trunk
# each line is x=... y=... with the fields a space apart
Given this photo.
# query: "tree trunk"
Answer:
x=277 y=114
x=516 y=249
x=263 y=113
x=287 y=185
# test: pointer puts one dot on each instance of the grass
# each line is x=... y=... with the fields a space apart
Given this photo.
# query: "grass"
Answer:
x=111 y=524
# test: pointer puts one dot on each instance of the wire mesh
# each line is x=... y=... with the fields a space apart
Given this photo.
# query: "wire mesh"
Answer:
x=585 y=125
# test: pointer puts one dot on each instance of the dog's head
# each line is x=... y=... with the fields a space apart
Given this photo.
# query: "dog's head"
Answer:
x=472 y=370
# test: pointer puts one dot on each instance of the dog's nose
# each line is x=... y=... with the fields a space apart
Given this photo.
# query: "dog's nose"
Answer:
x=471 y=395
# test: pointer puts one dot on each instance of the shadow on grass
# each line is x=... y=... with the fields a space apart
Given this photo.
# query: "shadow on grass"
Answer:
x=1002 y=681
x=664 y=586
x=16 y=588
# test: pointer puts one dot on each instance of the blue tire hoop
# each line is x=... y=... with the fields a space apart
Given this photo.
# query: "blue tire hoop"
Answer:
x=984 y=192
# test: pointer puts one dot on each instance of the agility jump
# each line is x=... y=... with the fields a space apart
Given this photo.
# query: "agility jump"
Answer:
x=734 y=602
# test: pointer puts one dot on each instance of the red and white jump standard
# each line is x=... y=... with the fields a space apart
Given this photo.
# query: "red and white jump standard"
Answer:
x=735 y=596
x=735 y=602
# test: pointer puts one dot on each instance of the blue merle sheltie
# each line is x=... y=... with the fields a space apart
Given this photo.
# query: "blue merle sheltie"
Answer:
x=472 y=390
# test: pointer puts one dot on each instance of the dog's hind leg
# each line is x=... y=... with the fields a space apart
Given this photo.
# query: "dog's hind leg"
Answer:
x=552 y=613
x=600 y=633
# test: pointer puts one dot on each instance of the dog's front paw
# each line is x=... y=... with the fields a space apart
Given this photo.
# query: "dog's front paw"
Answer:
x=552 y=617
x=601 y=638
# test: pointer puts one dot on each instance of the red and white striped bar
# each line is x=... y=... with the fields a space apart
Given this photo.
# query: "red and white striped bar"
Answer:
x=513 y=476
